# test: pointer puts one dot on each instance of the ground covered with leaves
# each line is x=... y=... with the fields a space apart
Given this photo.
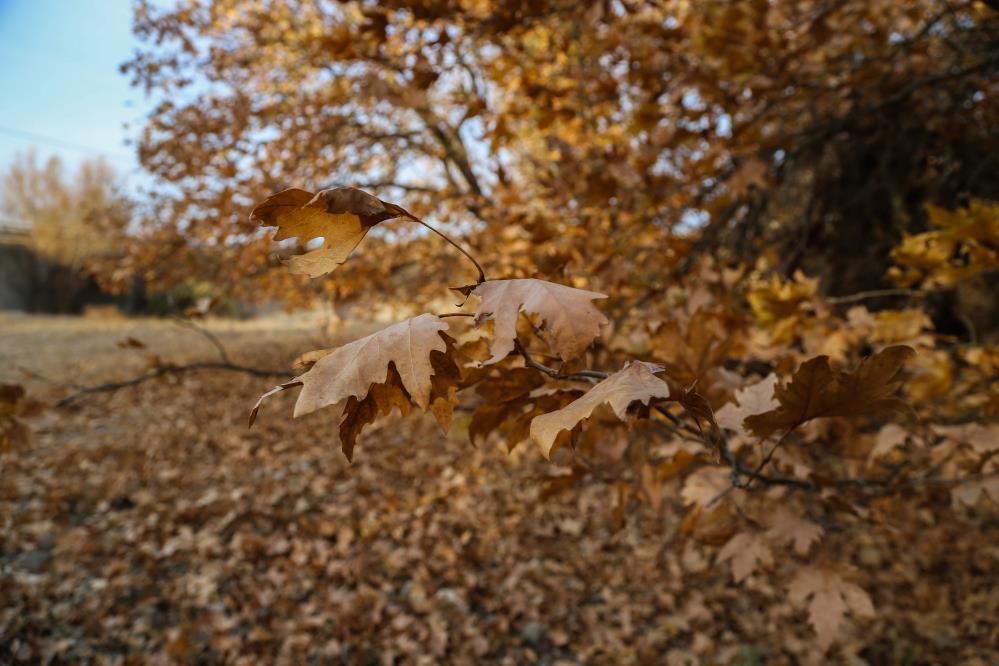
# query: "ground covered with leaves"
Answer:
x=151 y=526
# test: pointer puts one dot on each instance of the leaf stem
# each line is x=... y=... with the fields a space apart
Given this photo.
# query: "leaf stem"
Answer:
x=482 y=274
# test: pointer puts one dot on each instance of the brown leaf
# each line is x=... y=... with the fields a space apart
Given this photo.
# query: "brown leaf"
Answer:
x=349 y=370
x=635 y=382
x=341 y=216
x=786 y=526
x=747 y=551
x=131 y=343
x=567 y=315
x=381 y=398
x=816 y=391
x=829 y=597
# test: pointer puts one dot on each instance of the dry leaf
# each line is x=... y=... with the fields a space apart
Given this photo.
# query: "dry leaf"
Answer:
x=341 y=216
x=636 y=381
x=567 y=315
x=747 y=552
x=816 y=390
x=705 y=485
x=367 y=377
x=829 y=597
x=786 y=526
x=349 y=370
x=754 y=399
x=889 y=438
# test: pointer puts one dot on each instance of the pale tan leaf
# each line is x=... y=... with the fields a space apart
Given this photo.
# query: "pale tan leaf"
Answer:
x=747 y=551
x=567 y=316
x=351 y=369
x=341 y=217
x=754 y=399
x=706 y=485
x=829 y=597
x=889 y=438
x=788 y=527
x=635 y=382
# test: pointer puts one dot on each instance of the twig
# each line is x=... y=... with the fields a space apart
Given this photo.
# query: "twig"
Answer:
x=111 y=387
x=482 y=274
x=875 y=293
x=588 y=375
x=211 y=337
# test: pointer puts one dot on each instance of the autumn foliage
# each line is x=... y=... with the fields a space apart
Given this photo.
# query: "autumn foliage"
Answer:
x=694 y=410
x=729 y=267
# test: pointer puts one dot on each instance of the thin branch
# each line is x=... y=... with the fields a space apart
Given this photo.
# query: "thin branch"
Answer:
x=875 y=293
x=111 y=387
x=211 y=337
x=482 y=274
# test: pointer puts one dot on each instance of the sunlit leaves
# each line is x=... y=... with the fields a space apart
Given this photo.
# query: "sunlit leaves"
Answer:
x=340 y=216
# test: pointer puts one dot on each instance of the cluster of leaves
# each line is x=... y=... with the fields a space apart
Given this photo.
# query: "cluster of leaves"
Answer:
x=688 y=405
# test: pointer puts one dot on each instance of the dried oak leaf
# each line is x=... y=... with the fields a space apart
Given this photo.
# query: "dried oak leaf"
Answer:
x=407 y=361
x=635 y=382
x=341 y=216
x=816 y=390
x=829 y=598
x=349 y=370
x=567 y=315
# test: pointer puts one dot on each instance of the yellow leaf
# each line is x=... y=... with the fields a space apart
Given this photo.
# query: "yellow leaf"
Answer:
x=341 y=217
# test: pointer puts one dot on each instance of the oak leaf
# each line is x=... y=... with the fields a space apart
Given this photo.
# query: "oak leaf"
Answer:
x=829 y=598
x=635 y=382
x=349 y=370
x=341 y=216
x=411 y=360
x=816 y=390
x=567 y=315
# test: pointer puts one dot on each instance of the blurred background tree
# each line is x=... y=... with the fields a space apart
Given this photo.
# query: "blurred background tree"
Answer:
x=71 y=224
x=609 y=139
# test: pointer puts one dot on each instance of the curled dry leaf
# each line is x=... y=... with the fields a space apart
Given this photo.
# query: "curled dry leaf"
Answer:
x=635 y=382
x=829 y=597
x=341 y=216
x=407 y=361
x=568 y=317
x=349 y=370
x=816 y=390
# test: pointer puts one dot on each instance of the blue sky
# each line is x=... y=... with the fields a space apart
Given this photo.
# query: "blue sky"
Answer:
x=61 y=90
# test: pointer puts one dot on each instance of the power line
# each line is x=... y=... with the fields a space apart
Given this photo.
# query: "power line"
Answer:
x=59 y=143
